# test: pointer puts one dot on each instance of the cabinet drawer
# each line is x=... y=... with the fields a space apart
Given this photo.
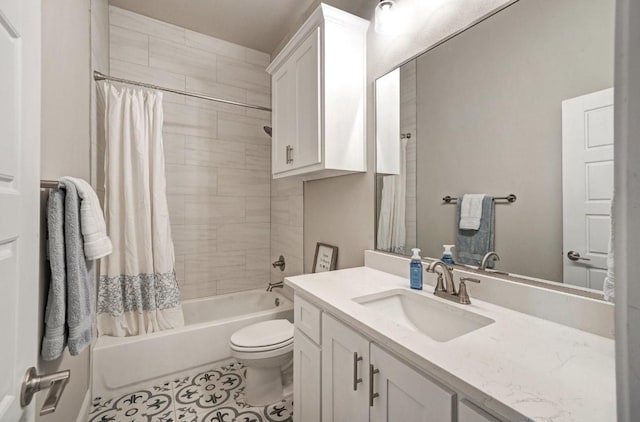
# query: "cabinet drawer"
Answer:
x=469 y=412
x=307 y=318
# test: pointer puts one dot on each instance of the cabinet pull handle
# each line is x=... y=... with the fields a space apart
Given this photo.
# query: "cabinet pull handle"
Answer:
x=289 y=154
x=372 y=395
x=356 y=380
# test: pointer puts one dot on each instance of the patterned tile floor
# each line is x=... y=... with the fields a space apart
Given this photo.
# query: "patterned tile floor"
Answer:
x=215 y=395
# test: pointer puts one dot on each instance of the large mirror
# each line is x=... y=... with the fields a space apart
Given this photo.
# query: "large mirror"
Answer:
x=519 y=104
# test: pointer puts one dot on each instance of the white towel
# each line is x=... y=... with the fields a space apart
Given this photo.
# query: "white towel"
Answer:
x=94 y=230
x=471 y=211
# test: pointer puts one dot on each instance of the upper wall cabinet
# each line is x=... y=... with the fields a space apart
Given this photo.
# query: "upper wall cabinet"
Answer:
x=318 y=96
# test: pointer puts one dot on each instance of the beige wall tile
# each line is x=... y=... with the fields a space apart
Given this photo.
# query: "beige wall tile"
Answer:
x=194 y=239
x=232 y=127
x=178 y=58
x=243 y=75
x=195 y=291
x=243 y=236
x=210 y=267
x=280 y=210
x=176 y=208
x=235 y=182
x=257 y=57
x=173 y=148
x=258 y=209
x=136 y=72
x=190 y=179
x=188 y=120
x=126 y=19
x=214 y=153
x=218 y=90
x=259 y=260
x=180 y=270
x=259 y=157
x=129 y=46
x=212 y=209
x=214 y=45
x=249 y=280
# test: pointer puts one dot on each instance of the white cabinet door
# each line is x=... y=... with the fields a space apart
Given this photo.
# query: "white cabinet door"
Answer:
x=306 y=379
x=283 y=117
x=306 y=62
x=345 y=380
x=468 y=412
x=405 y=394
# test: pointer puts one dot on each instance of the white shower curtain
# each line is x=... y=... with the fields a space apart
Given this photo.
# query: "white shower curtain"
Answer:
x=137 y=290
x=392 y=232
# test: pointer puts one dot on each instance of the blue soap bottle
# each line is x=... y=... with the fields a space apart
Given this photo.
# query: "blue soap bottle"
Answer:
x=415 y=270
x=447 y=255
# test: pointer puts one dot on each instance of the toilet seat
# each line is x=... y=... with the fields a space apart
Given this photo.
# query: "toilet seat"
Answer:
x=263 y=336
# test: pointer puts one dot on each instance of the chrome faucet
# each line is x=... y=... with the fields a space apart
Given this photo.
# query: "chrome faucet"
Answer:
x=485 y=260
x=279 y=263
x=447 y=289
x=277 y=284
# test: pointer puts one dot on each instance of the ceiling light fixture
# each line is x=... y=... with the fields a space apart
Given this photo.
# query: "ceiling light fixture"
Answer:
x=384 y=16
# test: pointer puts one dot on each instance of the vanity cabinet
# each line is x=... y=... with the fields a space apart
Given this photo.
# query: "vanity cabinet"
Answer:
x=468 y=412
x=306 y=378
x=318 y=97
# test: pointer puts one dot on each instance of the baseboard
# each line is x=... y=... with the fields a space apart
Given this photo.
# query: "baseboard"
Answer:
x=83 y=414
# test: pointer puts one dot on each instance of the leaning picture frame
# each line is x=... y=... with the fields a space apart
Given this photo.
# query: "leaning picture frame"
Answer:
x=325 y=259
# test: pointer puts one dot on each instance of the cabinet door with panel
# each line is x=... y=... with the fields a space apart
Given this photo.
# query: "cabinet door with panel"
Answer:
x=306 y=379
x=400 y=393
x=345 y=380
x=306 y=64
x=283 y=117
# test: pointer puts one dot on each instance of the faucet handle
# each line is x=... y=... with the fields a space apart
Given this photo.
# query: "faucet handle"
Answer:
x=462 y=290
x=440 y=284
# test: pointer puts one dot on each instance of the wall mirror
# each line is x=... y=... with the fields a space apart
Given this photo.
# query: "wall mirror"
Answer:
x=520 y=103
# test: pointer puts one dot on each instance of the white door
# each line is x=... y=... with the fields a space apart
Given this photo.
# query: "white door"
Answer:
x=306 y=379
x=587 y=186
x=306 y=62
x=19 y=199
x=406 y=395
x=345 y=378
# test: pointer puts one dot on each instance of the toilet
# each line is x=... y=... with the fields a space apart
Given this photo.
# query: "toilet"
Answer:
x=265 y=349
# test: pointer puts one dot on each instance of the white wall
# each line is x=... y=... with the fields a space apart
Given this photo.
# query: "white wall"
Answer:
x=340 y=210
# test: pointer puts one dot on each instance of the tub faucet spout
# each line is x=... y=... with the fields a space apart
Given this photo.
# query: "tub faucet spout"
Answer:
x=277 y=284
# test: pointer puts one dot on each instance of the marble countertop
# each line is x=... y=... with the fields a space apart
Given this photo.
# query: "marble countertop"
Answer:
x=521 y=367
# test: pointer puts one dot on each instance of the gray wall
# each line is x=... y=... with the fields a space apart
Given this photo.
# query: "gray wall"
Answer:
x=65 y=149
x=489 y=120
x=340 y=210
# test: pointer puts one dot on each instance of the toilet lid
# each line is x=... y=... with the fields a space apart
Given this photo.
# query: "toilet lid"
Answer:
x=263 y=334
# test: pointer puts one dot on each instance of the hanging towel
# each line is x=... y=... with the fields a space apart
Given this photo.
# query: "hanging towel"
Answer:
x=610 y=279
x=472 y=245
x=471 y=211
x=54 y=339
x=80 y=276
x=94 y=230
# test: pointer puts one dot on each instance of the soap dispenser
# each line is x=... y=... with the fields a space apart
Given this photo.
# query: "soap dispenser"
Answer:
x=415 y=270
x=447 y=255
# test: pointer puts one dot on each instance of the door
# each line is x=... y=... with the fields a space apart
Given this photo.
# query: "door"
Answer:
x=283 y=118
x=306 y=379
x=306 y=64
x=406 y=395
x=19 y=200
x=345 y=380
x=587 y=186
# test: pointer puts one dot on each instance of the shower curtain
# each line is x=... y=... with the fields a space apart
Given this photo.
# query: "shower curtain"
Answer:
x=392 y=232
x=137 y=290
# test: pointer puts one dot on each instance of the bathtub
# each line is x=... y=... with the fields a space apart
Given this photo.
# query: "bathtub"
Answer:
x=123 y=364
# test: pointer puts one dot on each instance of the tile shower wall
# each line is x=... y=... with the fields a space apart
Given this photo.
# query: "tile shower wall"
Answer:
x=218 y=159
x=286 y=225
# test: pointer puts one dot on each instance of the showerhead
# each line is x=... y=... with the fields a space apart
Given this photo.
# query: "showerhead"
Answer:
x=267 y=130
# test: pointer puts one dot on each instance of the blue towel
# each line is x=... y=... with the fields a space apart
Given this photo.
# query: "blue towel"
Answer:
x=473 y=245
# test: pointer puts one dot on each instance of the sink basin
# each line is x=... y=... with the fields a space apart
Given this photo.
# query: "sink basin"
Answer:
x=437 y=320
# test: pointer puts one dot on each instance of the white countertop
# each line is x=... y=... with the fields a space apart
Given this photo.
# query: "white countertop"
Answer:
x=521 y=367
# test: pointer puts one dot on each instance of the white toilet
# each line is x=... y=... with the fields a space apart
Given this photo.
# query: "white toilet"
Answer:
x=265 y=348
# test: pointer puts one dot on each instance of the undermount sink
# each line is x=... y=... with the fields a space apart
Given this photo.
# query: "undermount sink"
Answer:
x=437 y=320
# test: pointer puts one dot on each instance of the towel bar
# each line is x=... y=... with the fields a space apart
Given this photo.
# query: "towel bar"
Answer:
x=511 y=198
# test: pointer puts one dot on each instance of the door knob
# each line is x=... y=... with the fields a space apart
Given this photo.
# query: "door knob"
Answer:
x=33 y=383
x=575 y=256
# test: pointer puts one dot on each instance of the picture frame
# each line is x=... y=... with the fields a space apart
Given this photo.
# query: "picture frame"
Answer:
x=325 y=258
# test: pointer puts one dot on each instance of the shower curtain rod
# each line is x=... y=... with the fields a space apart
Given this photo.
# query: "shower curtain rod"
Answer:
x=98 y=76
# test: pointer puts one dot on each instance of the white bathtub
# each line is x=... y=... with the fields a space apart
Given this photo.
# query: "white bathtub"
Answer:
x=122 y=364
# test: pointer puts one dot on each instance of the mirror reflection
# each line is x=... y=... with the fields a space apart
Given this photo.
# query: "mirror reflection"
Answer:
x=521 y=103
